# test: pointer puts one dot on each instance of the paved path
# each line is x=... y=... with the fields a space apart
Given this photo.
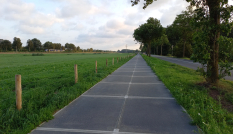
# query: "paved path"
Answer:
x=131 y=100
x=187 y=63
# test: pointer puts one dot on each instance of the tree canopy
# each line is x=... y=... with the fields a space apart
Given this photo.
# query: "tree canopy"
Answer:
x=17 y=45
x=30 y=45
x=36 y=44
x=163 y=40
x=148 y=32
x=5 y=45
x=70 y=47
x=211 y=17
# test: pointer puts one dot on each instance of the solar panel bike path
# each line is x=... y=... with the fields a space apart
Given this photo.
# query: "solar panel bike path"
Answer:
x=132 y=100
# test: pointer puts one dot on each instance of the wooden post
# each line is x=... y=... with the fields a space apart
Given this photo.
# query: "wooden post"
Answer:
x=96 y=66
x=76 y=73
x=117 y=59
x=112 y=61
x=106 y=62
x=18 y=91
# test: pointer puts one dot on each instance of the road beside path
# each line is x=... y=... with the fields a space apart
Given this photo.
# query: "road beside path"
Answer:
x=187 y=63
x=132 y=100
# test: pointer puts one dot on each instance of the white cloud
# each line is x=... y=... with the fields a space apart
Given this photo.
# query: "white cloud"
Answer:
x=169 y=14
x=29 y=20
x=72 y=26
x=80 y=8
x=31 y=30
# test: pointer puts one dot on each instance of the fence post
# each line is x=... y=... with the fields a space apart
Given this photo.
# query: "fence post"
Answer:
x=96 y=66
x=18 y=90
x=112 y=61
x=76 y=73
x=117 y=59
x=106 y=62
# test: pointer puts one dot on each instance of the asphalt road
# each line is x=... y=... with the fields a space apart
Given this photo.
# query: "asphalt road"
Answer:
x=132 y=100
x=187 y=63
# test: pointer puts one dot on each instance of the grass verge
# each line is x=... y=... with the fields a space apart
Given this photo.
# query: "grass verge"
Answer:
x=206 y=112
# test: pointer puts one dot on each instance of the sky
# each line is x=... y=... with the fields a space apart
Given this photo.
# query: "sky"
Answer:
x=97 y=24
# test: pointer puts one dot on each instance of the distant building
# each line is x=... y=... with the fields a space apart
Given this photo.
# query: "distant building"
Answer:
x=54 y=50
x=1 y=40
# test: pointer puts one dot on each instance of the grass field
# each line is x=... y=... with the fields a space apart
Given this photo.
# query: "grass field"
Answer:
x=207 y=113
x=47 y=85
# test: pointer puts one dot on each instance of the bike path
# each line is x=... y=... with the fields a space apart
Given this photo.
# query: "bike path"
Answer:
x=132 y=100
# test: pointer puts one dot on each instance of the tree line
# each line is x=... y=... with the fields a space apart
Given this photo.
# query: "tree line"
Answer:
x=203 y=34
x=36 y=45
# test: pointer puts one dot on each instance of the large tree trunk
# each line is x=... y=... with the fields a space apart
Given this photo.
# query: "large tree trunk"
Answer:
x=157 y=50
x=147 y=51
x=184 y=49
x=212 y=66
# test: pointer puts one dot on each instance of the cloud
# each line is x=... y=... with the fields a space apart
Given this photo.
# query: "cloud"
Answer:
x=114 y=34
x=134 y=19
x=31 y=30
x=128 y=31
x=114 y=24
x=12 y=10
x=80 y=8
x=169 y=14
x=30 y=21
x=67 y=26
x=39 y=19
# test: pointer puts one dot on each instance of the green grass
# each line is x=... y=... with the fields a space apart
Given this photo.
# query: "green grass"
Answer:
x=47 y=85
x=206 y=113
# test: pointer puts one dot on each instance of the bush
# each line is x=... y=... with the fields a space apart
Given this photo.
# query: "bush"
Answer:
x=38 y=54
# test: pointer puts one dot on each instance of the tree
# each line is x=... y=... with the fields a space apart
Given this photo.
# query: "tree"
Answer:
x=16 y=43
x=182 y=24
x=36 y=44
x=30 y=45
x=179 y=48
x=70 y=47
x=144 y=48
x=48 y=45
x=62 y=47
x=57 y=46
x=225 y=56
x=148 y=32
x=91 y=49
x=173 y=35
x=209 y=15
x=5 y=45
x=78 y=49
x=163 y=40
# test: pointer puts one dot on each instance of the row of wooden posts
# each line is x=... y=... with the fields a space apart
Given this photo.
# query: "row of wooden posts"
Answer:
x=18 y=86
